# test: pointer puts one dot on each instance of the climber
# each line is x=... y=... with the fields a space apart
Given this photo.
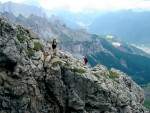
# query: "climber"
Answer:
x=85 y=60
x=54 y=46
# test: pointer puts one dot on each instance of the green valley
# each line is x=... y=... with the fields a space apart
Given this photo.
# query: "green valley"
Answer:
x=134 y=65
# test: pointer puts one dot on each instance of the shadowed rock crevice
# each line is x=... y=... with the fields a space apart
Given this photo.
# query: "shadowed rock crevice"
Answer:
x=50 y=97
x=6 y=63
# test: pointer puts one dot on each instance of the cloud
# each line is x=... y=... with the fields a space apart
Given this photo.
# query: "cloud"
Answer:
x=16 y=1
x=80 y=5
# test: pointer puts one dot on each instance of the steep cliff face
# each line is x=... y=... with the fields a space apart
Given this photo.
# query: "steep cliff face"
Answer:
x=33 y=80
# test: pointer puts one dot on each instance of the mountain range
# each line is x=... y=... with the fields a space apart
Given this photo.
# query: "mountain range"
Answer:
x=129 y=26
x=77 y=20
x=22 y=9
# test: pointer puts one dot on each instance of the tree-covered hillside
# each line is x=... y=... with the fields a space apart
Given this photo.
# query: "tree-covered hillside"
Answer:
x=134 y=65
x=124 y=46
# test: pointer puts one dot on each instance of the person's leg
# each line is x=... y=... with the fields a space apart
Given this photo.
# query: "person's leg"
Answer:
x=55 y=49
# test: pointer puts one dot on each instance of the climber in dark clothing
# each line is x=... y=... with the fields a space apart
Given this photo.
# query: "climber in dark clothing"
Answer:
x=54 y=44
x=85 y=60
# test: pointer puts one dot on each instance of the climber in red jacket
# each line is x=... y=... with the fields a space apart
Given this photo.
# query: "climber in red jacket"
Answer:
x=85 y=60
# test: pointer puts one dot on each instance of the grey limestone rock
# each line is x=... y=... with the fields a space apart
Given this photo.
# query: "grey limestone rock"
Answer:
x=31 y=44
x=33 y=35
x=36 y=81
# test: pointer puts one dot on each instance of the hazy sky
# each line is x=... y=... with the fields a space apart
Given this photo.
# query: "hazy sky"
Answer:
x=82 y=5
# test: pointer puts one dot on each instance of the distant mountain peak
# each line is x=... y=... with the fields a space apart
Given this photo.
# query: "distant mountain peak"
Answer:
x=23 y=9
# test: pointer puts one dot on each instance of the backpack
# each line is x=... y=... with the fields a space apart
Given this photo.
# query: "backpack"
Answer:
x=54 y=42
x=85 y=59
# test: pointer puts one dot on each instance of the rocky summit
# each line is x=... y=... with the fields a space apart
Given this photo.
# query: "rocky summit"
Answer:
x=34 y=80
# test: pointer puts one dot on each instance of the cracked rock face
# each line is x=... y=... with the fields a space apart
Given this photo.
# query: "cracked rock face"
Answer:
x=33 y=80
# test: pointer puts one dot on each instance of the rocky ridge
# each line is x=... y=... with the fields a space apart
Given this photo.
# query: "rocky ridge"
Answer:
x=78 y=42
x=33 y=80
x=49 y=30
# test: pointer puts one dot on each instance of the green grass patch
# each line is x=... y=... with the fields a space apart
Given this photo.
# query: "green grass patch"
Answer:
x=21 y=31
x=79 y=70
x=21 y=38
x=102 y=81
x=113 y=75
x=104 y=75
x=147 y=103
x=56 y=63
x=18 y=26
x=67 y=64
x=30 y=52
x=29 y=39
x=37 y=46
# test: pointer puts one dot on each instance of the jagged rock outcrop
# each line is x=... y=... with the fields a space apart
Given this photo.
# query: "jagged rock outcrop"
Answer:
x=33 y=80
x=23 y=9
x=78 y=42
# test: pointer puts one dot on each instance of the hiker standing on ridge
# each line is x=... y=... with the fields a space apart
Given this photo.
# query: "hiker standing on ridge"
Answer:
x=85 y=60
x=54 y=46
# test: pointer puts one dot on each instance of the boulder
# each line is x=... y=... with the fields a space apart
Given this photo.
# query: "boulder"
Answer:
x=33 y=35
